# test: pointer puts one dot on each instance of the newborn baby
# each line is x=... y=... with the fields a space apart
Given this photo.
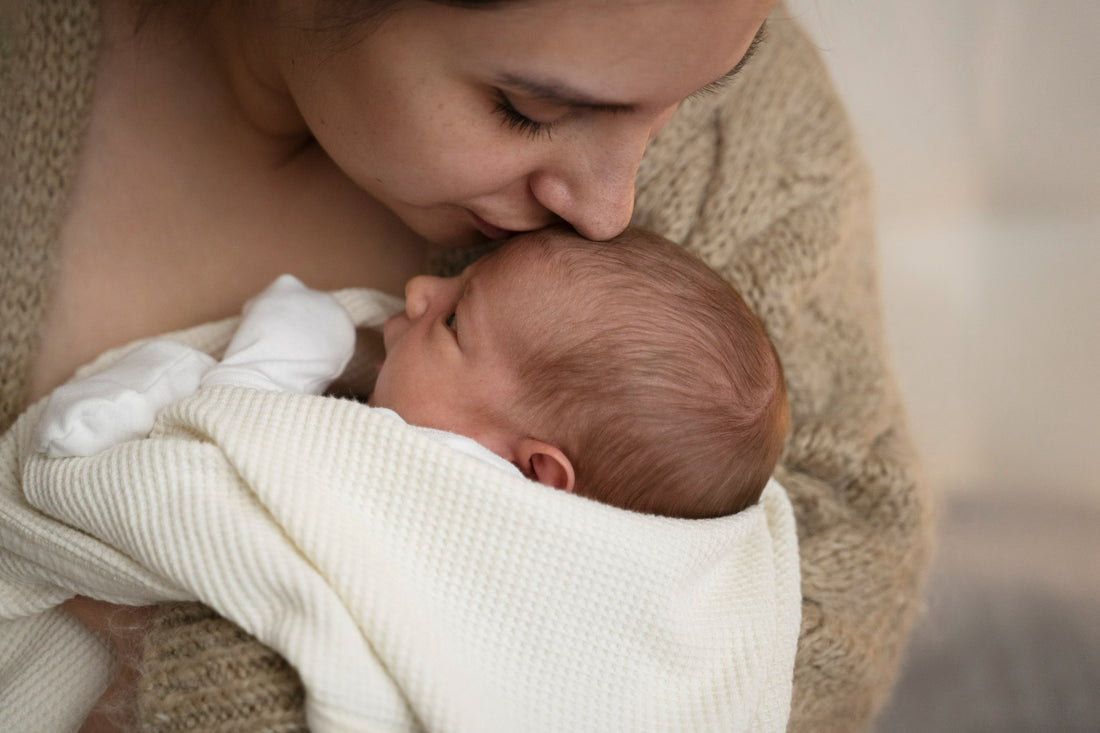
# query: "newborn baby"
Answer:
x=407 y=583
x=625 y=371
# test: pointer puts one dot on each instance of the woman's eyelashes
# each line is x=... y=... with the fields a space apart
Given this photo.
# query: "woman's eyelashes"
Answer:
x=449 y=322
x=516 y=120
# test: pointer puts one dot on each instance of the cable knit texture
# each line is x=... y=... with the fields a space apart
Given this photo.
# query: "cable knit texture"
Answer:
x=47 y=57
x=764 y=181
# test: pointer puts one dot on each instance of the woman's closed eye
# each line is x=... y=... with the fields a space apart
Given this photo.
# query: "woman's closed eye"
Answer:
x=516 y=120
x=449 y=322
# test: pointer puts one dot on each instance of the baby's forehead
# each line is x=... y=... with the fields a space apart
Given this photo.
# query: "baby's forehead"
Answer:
x=531 y=285
x=518 y=259
x=553 y=250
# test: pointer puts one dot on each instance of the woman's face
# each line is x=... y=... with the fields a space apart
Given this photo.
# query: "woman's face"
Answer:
x=472 y=124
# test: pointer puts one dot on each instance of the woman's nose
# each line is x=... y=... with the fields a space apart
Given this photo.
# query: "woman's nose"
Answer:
x=592 y=187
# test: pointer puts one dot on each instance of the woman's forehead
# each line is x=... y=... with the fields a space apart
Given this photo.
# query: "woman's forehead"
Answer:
x=610 y=52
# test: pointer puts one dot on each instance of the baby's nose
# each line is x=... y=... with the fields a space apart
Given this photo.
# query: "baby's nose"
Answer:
x=417 y=292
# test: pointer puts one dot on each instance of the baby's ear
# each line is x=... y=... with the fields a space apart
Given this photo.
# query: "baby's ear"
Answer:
x=545 y=463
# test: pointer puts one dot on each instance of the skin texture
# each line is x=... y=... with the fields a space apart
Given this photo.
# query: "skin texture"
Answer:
x=450 y=358
x=224 y=151
x=427 y=85
x=222 y=154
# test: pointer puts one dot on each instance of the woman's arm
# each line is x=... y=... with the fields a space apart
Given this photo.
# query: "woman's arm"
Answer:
x=767 y=184
x=203 y=673
x=124 y=626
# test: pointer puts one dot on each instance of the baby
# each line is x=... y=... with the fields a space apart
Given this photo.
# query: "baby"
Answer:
x=376 y=561
x=624 y=371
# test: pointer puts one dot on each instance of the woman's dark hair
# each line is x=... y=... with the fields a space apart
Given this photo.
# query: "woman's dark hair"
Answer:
x=351 y=19
x=355 y=18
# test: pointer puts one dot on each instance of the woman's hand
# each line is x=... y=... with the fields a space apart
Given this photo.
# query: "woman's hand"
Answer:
x=124 y=627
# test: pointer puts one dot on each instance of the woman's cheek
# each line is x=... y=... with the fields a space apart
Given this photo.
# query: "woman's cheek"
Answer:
x=468 y=162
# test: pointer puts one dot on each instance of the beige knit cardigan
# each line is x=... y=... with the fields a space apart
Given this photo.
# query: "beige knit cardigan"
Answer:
x=763 y=180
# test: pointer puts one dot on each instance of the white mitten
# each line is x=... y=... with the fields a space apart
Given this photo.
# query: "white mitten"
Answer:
x=120 y=403
x=291 y=339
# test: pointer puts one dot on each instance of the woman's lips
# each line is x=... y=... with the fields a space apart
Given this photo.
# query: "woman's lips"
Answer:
x=489 y=230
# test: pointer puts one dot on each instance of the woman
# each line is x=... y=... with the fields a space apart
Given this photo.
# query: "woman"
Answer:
x=164 y=164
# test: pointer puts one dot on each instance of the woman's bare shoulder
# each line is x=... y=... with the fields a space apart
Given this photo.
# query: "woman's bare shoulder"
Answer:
x=181 y=209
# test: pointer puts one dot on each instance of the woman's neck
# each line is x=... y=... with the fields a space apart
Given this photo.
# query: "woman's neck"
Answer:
x=242 y=46
x=250 y=43
x=186 y=201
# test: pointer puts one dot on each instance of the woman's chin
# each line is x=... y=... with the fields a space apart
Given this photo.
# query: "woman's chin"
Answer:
x=457 y=238
x=449 y=237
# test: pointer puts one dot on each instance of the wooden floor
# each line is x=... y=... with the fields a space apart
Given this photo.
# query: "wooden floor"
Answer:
x=1010 y=639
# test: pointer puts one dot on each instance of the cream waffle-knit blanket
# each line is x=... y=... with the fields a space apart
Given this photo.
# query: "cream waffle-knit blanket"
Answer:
x=412 y=586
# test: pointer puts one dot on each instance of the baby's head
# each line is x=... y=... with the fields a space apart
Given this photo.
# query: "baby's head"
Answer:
x=626 y=371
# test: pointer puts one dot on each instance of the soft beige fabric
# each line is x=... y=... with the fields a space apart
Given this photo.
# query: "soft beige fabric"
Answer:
x=413 y=586
x=47 y=58
x=765 y=180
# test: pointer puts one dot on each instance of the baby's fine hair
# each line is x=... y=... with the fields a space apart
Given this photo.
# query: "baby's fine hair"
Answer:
x=657 y=380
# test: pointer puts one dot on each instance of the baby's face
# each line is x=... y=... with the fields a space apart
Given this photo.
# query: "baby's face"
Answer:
x=447 y=355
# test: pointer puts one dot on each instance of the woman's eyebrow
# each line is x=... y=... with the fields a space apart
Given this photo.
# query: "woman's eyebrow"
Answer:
x=557 y=92
x=717 y=84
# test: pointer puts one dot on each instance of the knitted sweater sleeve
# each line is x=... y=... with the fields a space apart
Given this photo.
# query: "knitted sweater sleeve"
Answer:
x=767 y=185
x=765 y=182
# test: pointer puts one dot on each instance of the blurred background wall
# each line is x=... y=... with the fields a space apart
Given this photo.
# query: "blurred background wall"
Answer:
x=981 y=119
x=981 y=122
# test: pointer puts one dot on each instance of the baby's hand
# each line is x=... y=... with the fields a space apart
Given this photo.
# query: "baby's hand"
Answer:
x=290 y=339
x=121 y=402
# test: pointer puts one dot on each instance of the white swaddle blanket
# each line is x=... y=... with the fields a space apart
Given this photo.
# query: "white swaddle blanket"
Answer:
x=413 y=586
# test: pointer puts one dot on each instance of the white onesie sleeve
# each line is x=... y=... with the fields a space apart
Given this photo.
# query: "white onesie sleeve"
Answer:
x=290 y=339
